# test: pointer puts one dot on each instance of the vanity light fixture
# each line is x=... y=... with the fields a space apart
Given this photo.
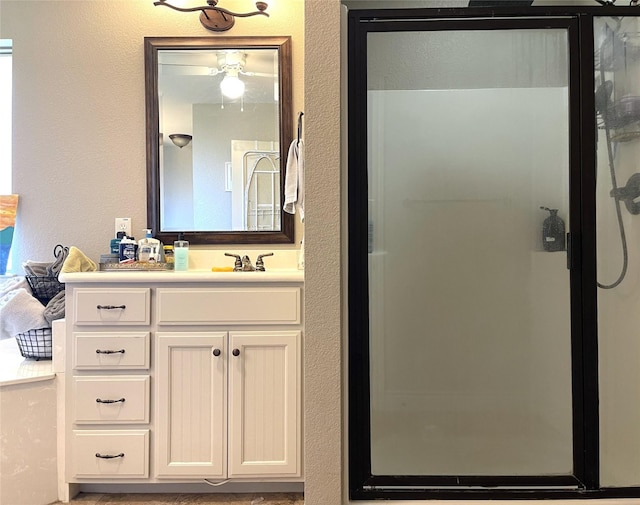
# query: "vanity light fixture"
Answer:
x=216 y=18
x=180 y=139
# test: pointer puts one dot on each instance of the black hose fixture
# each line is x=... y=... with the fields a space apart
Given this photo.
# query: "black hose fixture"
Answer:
x=603 y=99
x=629 y=194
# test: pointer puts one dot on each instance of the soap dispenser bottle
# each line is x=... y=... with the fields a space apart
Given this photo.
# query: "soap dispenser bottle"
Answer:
x=553 y=231
x=181 y=253
x=148 y=248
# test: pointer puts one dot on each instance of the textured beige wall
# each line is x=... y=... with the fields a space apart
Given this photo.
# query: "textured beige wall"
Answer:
x=79 y=111
x=323 y=343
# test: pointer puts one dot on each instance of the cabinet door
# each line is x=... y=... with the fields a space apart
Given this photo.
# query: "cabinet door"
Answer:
x=264 y=403
x=191 y=404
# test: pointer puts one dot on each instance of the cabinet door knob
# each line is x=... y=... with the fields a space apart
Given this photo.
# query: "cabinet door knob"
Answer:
x=236 y=352
x=216 y=352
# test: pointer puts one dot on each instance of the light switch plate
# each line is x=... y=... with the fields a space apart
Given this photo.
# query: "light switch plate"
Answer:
x=123 y=224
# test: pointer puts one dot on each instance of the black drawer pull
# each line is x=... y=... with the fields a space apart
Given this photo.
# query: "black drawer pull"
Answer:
x=216 y=352
x=236 y=352
x=100 y=351
x=109 y=456
x=111 y=307
x=99 y=400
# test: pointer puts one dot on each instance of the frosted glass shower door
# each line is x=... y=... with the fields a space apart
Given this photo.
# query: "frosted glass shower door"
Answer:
x=617 y=65
x=469 y=313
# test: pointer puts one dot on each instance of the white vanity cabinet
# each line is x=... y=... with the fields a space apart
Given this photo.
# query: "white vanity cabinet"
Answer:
x=229 y=404
x=180 y=377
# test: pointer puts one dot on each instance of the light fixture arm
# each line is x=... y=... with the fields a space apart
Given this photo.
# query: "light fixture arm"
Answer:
x=218 y=19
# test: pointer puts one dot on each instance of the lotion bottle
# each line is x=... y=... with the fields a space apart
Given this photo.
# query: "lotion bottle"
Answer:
x=181 y=254
x=148 y=248
x=128 y=250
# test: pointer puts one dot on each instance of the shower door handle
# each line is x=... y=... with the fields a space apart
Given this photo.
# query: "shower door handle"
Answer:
x=569 y=262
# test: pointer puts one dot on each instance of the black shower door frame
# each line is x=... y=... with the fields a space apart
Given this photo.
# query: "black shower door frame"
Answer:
x=585 y=480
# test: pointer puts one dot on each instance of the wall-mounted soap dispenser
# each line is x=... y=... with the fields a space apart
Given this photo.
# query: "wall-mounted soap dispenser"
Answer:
x=553 y=231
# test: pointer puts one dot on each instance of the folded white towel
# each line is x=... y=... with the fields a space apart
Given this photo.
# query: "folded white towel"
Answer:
x=12 y=284
x=294 y=180
x=20 y=312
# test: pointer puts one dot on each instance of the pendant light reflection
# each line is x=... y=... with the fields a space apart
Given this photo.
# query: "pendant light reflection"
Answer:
x=232 y=86
x=180 y=139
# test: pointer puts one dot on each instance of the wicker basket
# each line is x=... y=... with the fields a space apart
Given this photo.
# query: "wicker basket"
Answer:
x=36 y=343
x=44 y=288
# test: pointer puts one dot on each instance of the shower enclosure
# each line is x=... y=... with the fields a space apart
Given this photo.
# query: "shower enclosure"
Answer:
x=494 y=347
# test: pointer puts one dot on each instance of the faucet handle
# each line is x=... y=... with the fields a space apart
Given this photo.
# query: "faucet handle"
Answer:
x=237 y=267
x=260 y=262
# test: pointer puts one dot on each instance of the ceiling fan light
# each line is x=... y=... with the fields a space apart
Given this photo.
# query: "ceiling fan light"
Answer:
x=232 y=87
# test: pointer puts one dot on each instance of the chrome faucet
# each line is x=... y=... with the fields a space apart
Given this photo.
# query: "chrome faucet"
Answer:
x=243 y=264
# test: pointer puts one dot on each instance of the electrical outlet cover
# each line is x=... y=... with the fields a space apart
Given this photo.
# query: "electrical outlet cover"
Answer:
x=123 y=224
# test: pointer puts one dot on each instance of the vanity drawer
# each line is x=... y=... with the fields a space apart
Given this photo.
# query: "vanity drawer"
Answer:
x=111 y=399
x=276 y=305
x=110 y=453
x=108 y=351
x=111 y=306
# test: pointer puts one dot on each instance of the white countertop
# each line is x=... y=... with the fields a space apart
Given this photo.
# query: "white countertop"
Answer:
x=191 y=276
x=14 y=369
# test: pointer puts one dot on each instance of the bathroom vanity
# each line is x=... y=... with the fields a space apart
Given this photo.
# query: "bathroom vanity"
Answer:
x=182 y=377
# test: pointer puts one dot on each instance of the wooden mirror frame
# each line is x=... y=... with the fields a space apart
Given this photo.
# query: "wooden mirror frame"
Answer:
x=151 y=47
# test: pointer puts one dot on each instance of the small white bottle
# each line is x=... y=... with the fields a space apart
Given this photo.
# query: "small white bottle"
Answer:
x=148 y=248
x=128 y=250
x=181 y=254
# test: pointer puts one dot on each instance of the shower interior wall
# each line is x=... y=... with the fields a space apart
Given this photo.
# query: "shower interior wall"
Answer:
x=619 y=308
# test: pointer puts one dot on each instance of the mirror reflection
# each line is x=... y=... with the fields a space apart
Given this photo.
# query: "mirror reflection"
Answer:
x=220 y=132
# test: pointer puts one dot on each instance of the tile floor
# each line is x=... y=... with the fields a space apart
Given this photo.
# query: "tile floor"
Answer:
x=187 y=499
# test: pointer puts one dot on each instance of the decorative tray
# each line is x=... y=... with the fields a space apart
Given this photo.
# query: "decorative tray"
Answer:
x=136 y=266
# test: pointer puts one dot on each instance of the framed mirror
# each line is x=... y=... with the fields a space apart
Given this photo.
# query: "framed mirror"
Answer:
x=219 y=124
